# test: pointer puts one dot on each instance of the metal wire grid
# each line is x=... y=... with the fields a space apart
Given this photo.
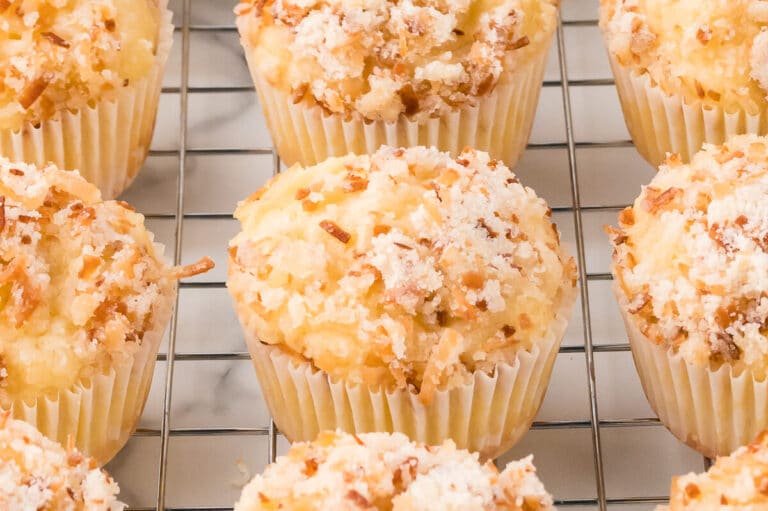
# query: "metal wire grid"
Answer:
x=594 y=424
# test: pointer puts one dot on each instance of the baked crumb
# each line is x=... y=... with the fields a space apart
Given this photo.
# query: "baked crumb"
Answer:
x=436 y=269
x=383 y=58
x=381 y=471
x=39 y=474
x=691 y=256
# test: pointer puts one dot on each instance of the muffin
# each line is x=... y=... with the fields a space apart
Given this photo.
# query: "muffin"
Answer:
x=341 y=76
x=84 y=299
x=402 y=291
x=689 y=265
x=688 y=72
x=382 y=471
x=738 y=482
x=80 y=83
x=36 y=473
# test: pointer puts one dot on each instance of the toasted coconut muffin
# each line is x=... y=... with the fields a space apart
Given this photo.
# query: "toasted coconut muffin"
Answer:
x=72 y=69
x=84 y=298
x=388 y=62
x=703 y=64
x=738 y=482
x=36 y=473
x=690 y=263
x=405 y=270
x=378 y=471
x=62 y=55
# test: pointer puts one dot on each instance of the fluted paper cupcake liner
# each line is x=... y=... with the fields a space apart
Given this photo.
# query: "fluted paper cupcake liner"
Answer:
x=713 y=412
x=100 y=413
x=489 y=414
x=500 y=123
x=660 y=123
x=107 y=142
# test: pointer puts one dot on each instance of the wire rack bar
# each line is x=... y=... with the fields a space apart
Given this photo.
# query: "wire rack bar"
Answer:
x=273 y=433
x=582 y=262
x=233 y=28
x=184 y=103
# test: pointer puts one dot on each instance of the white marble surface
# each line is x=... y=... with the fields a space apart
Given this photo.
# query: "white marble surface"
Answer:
x=222 y=392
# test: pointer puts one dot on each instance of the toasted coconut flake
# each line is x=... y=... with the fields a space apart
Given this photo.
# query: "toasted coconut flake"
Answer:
x=55 y=39
x=182 y=272
x=33 y=90
x=520 y=43
x=334 y=230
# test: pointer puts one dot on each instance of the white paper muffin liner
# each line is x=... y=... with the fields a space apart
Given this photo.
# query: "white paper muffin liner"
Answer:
x=100 y=413
x=488 y=415
x=713 y=412
x=107 y=142
x=500 y=123
x=660 y=123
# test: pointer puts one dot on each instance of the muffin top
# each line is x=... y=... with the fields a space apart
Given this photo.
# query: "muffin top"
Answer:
x=406 y=268
x=383 y=58
x=383 y=471
x=738 y=482
x=80 y=281
x=66 y=54
x=714 y=51
x=39 y=474
x=691 y=255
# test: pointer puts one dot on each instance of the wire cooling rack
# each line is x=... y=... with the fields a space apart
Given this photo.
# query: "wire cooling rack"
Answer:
x=206 y=429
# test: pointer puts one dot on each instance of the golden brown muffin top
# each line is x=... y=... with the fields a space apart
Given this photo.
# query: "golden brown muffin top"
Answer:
x=738 y=482
x=39 y=474
x=691 y=256
x=383 y=471
x=406 y=268
x=67 y=54
x=383 y=58
x=714 y=51
x=81 y=280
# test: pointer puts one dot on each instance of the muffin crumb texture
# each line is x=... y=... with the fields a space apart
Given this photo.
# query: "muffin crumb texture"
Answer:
x=691 y=256
x=80 y=281
x=66 y=54
x=715 y=52
x=383 y=58
x=39 y=474
x=406 y=269
x=738 y=482
x=379 y=471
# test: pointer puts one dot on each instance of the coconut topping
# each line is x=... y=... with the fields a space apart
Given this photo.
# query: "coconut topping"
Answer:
x=60 y=54
x=409 y=269
x=80 y=280
x=738 y=482
x=383 y=58
x=715 y=52
x=381 y=471
x=691 y=256
x=39 y=474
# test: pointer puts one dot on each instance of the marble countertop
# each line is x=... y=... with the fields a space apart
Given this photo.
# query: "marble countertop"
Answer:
x=214 y=386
